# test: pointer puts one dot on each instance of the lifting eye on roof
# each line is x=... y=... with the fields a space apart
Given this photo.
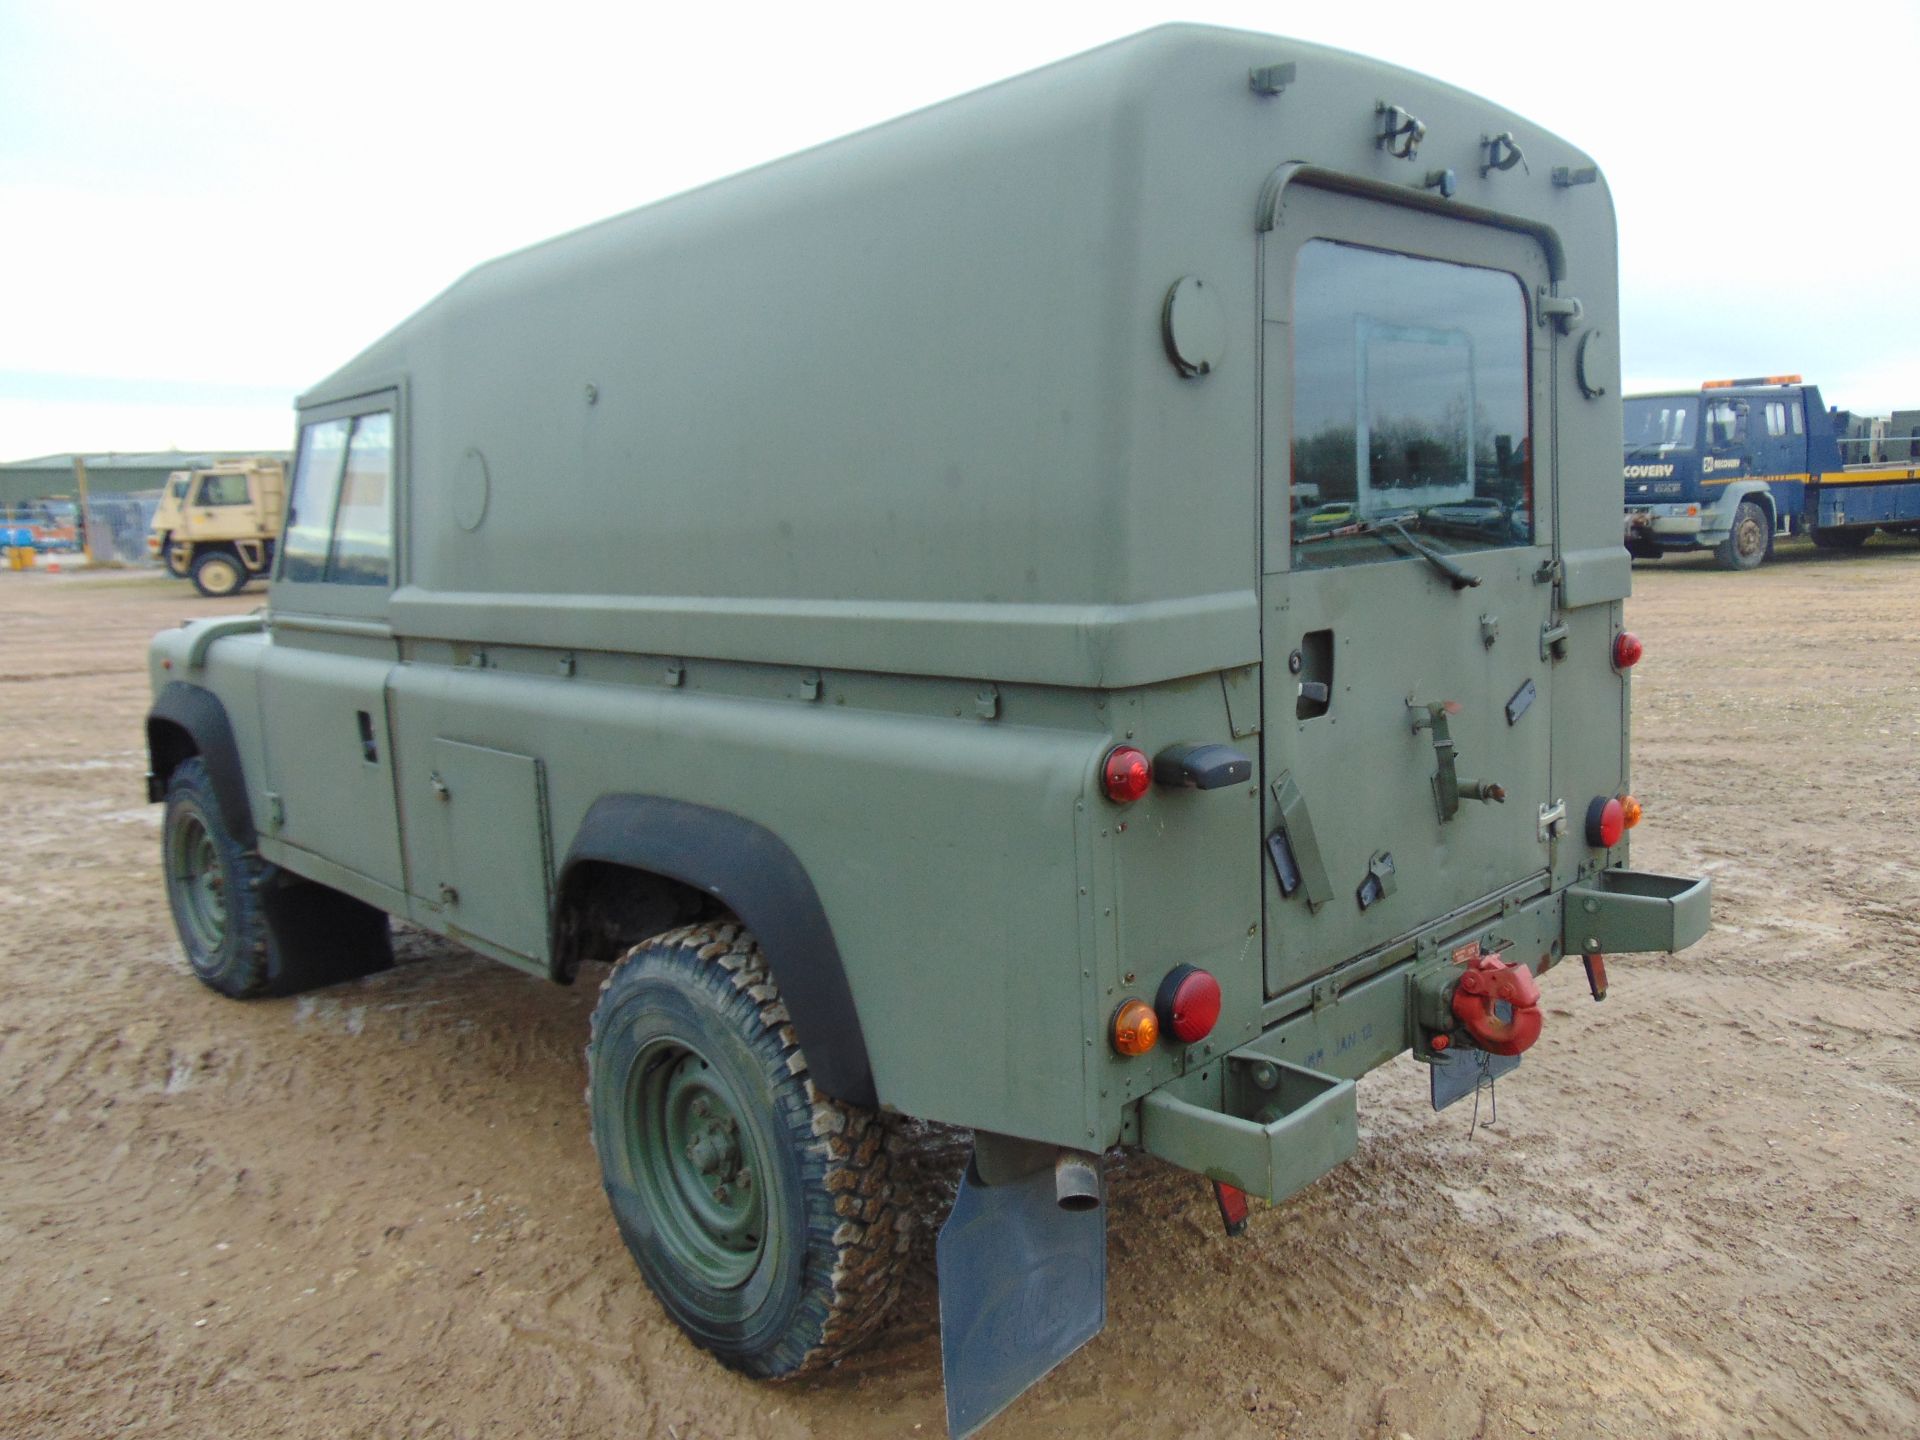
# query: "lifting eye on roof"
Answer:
x=1500 y=152
x=1400 y=134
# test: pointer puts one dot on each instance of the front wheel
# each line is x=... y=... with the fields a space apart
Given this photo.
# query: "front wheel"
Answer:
x=218 y=573
x=169 y=559
x=247 y=927
x=1747 y=543
x=763 y=1215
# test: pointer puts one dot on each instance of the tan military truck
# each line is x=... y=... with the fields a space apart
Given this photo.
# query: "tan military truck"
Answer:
x=220 y=525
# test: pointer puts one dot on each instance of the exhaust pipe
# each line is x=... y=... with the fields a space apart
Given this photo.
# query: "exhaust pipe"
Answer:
x=1076 y=1180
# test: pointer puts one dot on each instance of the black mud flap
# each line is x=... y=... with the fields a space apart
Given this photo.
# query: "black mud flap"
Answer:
x=1023 y=1284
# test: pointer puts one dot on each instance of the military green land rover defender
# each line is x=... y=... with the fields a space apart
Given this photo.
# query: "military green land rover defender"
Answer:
x=1091 y=613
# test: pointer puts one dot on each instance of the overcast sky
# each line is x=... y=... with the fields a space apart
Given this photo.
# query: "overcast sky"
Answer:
x=205 y=208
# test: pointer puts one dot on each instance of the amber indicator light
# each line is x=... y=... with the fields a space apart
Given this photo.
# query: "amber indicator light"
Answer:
x=1135 y=1027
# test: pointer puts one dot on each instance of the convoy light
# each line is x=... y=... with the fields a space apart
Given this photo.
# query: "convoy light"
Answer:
x=1752 y=380
x=1126 y=775
x=1627 y=650
x=1135 y=1027
x=1188 y=1003
x=1629 y=811
x=1606 y=822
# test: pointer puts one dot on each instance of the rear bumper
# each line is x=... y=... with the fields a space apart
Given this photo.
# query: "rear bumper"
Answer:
x=1279 y=1112
x=1278 y=1129
x=1624 y=911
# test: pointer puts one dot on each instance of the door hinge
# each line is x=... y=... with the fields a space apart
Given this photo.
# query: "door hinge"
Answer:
x=276 y=810
x=1553 y=821
x=1553 y=641
x=1562 y=311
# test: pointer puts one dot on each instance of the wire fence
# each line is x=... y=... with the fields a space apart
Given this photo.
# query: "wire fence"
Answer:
x=117 y=528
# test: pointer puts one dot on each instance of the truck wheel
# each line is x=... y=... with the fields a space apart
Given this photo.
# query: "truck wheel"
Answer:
x=174 y=568
x=1747 y=544
x=763 y=1215
x=217 y=573
x=247 y=927
x=1831 y=539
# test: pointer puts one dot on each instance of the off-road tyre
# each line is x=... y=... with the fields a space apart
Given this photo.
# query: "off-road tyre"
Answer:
x=695 y=1079
x=1849 y=539
x=1749 y=542
x=248 y=928
x=174 y=567
x=219 y=573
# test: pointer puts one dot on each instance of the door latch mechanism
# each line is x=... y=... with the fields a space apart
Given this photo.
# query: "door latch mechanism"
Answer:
x=1448 y=788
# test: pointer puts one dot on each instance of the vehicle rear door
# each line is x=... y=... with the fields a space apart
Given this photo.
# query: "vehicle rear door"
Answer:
x=1406 y=392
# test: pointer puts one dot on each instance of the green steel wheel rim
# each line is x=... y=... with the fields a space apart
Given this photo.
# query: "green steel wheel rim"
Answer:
x=697 y=1166
x=198 y=881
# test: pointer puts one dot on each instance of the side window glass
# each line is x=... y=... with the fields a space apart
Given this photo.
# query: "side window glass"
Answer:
x=1776 y=419
x=316 y=483
x=362 y=529
x=1727 y=423
x=223 y=490
x=1793 y=415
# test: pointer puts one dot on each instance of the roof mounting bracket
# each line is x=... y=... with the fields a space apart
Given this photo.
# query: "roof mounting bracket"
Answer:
x=1270 y=79
x=1400 y=133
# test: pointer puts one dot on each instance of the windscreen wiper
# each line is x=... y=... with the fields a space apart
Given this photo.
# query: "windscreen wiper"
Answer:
x=1385 y=530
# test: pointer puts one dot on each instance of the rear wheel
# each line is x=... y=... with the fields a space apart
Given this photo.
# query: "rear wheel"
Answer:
x=1849 y=539
x=219 y=572
x=763 y=1215
x=1747 y=543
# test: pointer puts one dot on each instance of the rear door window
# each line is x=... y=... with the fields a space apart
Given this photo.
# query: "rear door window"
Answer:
x=1410 y=404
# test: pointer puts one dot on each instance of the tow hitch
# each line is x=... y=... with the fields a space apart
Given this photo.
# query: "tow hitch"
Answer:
x=1489 y=988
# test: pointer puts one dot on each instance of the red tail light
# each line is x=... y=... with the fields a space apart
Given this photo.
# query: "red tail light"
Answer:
x=1127 y=774
x=1188 y=1003
x=1627 y=650
x=1606 y=822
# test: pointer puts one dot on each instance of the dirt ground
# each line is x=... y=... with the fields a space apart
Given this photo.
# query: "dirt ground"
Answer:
x=375 y=1210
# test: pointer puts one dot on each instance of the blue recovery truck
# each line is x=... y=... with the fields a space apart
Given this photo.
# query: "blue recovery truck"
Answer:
x=1737 y=463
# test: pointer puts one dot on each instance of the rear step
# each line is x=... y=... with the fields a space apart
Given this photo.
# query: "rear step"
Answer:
x=1280 y=1127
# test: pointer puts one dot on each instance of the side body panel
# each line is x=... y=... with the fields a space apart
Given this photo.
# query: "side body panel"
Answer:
x=944 y=848
x=329 y=758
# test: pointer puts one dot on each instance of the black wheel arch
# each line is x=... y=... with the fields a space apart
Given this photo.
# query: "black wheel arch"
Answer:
x=187 y=720
x=752 y=874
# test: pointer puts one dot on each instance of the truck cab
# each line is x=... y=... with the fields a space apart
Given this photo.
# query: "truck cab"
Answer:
x=219 y=525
